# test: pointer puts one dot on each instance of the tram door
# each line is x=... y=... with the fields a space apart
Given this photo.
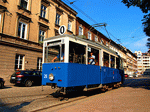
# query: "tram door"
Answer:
x=93 y=69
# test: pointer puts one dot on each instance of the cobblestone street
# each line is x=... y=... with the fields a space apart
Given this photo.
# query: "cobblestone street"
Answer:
x=133 y=96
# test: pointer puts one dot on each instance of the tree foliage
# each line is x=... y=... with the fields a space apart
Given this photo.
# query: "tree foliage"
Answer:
x=144 y=5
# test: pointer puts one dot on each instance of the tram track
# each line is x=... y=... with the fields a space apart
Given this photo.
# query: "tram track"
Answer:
x=23 y=96
x=43 y=102
x=21 y=102
x=60 y=103
x=72 y=99
x=53 y=101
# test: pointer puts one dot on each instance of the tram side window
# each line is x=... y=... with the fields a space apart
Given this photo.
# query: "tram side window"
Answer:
x=106 y=59
x=112 y=62
x=54 y=54
x=117 y=63
x=93 y=56
x=77 y=53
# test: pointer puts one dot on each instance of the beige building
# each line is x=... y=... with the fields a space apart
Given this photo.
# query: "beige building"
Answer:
x=25 y=23
x=121 y=52
x=143 y=61
x=131 y=63
x=23 y=26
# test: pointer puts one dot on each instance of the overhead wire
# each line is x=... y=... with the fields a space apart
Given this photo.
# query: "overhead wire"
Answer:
x=67 y=1
x=108 y=33
x=81 y=11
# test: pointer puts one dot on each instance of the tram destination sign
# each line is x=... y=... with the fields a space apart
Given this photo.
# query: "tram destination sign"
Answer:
x=62 y=29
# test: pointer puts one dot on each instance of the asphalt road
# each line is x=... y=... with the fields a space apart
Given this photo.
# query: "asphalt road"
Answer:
x=132 y=96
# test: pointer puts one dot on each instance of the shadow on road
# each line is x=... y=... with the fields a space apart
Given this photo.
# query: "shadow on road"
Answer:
x=8 y=108
x=142 y=82
x=6 y=87
x=76 y=94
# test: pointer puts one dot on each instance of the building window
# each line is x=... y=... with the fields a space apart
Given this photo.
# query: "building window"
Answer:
x=43 y=11
x=102 y=42
x=69 y=25
x=56 y=32
x=41 y=36
x=139 y=55
x=19 y=62
x=39 y=64
x=106 y=43
x=80 y=30
x=22 y=28
x=89 y=36
x=57 y=19
x=24 y=3
x=96 y=39
x=4 y=1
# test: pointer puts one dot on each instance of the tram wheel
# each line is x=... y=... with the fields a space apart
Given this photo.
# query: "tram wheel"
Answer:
x=80 y=89
x=2 y=85
x=104 y=88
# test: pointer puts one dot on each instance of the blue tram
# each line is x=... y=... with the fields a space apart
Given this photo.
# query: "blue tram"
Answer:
x=66 y=64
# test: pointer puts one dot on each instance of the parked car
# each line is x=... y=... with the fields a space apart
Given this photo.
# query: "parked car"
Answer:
x=26 y=77
x=2 y=83
x=130 y=76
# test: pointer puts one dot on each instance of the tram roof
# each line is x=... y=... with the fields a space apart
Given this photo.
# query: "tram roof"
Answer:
x=89 y=42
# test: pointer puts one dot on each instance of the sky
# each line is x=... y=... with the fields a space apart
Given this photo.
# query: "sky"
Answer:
x=124 y=24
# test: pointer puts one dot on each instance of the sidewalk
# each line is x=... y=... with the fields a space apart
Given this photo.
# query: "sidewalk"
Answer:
x=7 y=81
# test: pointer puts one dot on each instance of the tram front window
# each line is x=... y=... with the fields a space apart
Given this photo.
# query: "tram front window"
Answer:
x=54 y=54
x=77 y=53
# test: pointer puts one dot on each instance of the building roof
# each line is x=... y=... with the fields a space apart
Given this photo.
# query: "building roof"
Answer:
x=62 y=4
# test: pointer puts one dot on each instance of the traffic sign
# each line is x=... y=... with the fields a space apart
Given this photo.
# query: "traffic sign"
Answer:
x=62 y=30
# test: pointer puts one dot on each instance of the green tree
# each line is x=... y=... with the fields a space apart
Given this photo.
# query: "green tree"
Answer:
x=144 y=5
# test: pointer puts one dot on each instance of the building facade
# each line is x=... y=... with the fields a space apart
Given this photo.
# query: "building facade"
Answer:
x=24 y=24
x=131 y=63
x=143 y=61
x=84 y=30
x=121 y=51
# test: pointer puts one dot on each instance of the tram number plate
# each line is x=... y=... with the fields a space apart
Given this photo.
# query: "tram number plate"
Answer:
x=45 y=75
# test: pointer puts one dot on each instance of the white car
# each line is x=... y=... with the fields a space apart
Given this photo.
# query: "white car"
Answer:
x=130 y=76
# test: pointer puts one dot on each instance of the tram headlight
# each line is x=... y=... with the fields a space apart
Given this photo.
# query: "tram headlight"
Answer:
x=51 y=77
